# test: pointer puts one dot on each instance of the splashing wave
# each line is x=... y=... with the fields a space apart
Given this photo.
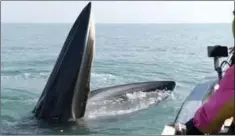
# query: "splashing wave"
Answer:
x=129 y=103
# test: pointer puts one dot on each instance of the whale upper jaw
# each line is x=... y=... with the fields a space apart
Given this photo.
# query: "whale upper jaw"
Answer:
x=66 y=91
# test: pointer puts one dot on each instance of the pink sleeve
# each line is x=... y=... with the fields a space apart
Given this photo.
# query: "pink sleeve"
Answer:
x=210 y=115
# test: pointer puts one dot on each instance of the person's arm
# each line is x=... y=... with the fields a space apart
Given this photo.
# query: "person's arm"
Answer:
x=211 y=116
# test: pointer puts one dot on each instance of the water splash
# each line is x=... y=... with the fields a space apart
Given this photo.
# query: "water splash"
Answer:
x=129 y=103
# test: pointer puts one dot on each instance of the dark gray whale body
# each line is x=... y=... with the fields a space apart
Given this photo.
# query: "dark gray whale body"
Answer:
x=62 y=97
x=67 y=90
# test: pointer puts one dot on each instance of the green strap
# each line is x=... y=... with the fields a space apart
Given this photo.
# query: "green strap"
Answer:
x=233 y=24
x=233 y=29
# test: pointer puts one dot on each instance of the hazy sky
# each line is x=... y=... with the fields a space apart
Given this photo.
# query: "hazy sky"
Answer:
x=119 y=11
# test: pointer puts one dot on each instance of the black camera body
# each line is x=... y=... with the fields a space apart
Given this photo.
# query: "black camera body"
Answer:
x=217 y=51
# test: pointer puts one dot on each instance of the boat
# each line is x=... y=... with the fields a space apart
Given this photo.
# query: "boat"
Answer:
x=203 y=91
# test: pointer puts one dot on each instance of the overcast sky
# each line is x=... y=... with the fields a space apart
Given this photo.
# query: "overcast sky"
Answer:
x=119 y=11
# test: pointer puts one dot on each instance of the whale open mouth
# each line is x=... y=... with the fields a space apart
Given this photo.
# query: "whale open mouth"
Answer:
x=67 y=90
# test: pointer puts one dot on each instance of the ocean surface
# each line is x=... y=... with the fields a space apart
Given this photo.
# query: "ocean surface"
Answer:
x=124 y=53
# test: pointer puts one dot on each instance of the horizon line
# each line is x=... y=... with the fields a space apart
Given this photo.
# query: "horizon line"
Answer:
x=112 y=23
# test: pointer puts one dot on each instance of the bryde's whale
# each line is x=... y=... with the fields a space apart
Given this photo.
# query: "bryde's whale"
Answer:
x=67 y=90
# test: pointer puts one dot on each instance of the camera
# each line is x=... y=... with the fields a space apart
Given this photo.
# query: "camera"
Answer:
x=217 y=51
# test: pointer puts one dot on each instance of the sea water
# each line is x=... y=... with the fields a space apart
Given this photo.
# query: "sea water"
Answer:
x=124 y=53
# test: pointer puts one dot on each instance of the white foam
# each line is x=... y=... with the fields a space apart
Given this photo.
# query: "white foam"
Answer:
x=45 y=75
x=25 y=76
x=103 y=76
x=30 y=101
x=104 y=80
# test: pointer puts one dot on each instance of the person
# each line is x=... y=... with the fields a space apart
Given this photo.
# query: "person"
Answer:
x=209 y=118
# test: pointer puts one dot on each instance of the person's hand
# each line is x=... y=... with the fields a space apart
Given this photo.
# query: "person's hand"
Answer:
x=180 y=129
x=231 y=49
